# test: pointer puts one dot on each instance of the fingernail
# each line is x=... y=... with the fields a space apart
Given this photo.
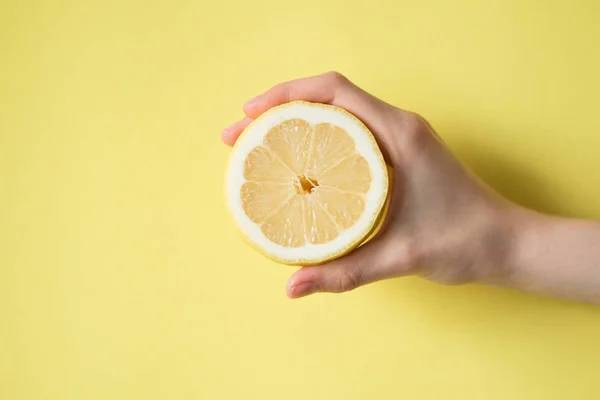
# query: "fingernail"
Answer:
x=230 y=129
x=250 y=102
x=304 y=289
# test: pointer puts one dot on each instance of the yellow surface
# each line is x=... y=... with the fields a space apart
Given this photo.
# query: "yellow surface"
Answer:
x=121 y=276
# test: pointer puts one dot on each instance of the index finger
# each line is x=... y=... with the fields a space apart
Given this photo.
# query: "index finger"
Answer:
x=329 y=88
x=318 y=89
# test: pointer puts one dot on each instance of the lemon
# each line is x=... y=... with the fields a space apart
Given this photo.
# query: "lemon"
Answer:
x=306 y=183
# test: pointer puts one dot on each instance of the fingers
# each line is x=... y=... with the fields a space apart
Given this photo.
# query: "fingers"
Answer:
x=330 y=88
x=379 y=259
x=318 y=89
x=231 y=133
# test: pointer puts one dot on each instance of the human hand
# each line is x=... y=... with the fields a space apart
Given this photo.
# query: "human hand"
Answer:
x=442 y=223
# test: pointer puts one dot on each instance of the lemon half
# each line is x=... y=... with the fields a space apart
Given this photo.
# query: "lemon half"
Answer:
x=306 y=183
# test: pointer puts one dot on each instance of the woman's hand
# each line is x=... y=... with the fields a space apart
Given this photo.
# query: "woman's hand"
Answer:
x=443 y=223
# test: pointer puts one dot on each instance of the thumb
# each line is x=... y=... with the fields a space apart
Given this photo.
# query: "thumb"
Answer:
x=379 y=259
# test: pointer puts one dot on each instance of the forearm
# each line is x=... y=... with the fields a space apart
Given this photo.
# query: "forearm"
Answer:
x=554 y=256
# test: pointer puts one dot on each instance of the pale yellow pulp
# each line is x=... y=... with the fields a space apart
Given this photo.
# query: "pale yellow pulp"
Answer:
x=305 y=184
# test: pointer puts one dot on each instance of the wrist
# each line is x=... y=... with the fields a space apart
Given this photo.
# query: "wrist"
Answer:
x=543 y=254
x=518 y=227
x=499 y=240
x=478 y=249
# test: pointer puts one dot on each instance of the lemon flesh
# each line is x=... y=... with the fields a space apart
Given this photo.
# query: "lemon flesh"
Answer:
x=306 y=183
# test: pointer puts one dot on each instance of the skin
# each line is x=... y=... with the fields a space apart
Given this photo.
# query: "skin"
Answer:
x=444 y=224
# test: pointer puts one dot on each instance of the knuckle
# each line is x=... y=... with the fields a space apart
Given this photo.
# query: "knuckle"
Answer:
x=347 y=281
x=414 y=135
x=415 y=125
x=410 y=256
x=336 y=78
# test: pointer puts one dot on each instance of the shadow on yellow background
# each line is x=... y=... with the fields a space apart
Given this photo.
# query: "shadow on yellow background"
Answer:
x=121 y=276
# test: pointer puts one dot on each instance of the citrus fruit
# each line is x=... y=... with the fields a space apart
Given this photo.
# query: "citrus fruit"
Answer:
x=306 y=183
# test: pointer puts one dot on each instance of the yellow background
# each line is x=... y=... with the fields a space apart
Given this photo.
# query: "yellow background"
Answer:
x=121 y=276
